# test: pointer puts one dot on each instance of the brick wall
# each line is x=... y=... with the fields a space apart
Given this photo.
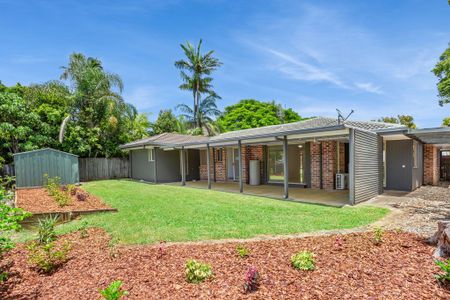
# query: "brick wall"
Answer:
x=203 y=166
x=341 y=168
x=329 y=164
x=221 y=166
x=251 y=153
x=431 y=165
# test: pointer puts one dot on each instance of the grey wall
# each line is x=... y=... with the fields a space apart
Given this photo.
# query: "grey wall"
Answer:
x=141 y=168
x=399 y=175
x=365 y=165
x=31 y=166
x=168 y=165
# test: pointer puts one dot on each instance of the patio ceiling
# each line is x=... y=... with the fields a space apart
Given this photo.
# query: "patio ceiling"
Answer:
x=437 y=136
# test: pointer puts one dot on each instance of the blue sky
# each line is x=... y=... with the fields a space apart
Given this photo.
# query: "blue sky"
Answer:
x=315 y=56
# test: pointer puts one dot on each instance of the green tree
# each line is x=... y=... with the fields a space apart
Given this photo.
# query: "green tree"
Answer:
x=446 y=122
x=166 y=122
x=195 y=73
x=442 y=72
x=405 y=120
x=250 y=113
x=204 y=118
x=20 y=128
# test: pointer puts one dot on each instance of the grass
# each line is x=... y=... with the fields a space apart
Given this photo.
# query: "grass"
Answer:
x=152 y=213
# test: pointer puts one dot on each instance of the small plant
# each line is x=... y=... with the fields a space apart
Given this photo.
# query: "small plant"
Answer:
x=113 y=291
x=197 y=272
x=83 y=229
x=46 y=229
x=338 y=243
x=251 y=281
x=47 y=257
x=444 y=276
x=81 y=196
x=61 y=198
x=242 y=251
x=112 y=245
x=303 y=260
x=71 y=189
x=378 y=235
x=161 y=249
x=51 y=184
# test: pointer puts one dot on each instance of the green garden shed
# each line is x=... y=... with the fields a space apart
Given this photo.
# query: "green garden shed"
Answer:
x=31 y=166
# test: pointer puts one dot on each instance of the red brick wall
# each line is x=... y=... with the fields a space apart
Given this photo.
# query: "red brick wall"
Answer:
x=329 y=164
x=431 y=165
x=248 y=153
x=204 y=167
x=341 y=168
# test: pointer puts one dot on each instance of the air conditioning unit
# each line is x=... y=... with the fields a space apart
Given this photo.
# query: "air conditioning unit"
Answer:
x=341 y=181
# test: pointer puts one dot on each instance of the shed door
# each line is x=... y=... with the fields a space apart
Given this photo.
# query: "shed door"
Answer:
x=399 y=165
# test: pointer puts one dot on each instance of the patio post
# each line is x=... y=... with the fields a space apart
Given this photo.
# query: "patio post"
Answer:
x=183 y=167
x=285 y=168
x=241 y=180
x=208 y=164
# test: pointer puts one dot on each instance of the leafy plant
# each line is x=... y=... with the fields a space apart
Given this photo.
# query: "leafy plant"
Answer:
x=378 y=235
x=161 y=249
x=46 y=229
x=444 y=276
x=54 y=189
x=338 y=242
x=83 y=229
x=242 y=251
x=251 y=281
x=62 y=198
x=303 y=260
x=197 y=272
x=113 y=291
x=71 y=189
x=82 y=196
x=47 y=257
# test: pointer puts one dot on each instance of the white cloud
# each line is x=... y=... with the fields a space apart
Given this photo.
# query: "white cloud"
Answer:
x=369 y=87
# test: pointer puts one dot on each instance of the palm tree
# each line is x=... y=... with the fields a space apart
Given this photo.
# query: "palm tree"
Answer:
x=96 y=93
x=203 y=119
x=198 y=66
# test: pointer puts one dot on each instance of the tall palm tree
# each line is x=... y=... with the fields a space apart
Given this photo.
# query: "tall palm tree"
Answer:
x=203 y=118
x=96 y=92
x=198 y=67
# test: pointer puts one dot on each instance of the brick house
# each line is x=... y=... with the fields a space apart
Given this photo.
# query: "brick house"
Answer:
x=363 y=158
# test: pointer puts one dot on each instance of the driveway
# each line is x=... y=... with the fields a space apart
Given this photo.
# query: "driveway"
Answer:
x=417 y=211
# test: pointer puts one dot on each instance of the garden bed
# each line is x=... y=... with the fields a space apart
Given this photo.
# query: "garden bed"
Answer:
x=38 y=201
x=401 y=267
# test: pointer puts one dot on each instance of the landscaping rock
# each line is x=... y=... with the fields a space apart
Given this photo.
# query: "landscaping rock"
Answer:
x=441 y=239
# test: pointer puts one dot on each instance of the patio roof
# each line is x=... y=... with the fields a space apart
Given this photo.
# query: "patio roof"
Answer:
x=437 y=136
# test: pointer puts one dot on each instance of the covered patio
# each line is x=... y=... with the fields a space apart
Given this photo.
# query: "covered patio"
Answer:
x=299 y=194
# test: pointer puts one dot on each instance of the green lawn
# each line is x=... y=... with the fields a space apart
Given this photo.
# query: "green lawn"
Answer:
x=151 y=213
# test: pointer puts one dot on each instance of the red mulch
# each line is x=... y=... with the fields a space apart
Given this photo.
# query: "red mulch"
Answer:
x=37 y=200
x=400 y=268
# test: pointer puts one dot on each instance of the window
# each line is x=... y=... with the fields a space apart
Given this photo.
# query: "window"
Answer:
x=219 y=154
x=151 y=154
x=414 y=153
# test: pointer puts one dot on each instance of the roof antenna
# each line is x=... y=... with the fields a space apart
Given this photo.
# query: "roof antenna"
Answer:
x=341 y=118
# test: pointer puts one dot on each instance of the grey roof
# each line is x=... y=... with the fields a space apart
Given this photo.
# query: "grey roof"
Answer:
x=165 y=139
x=315 y=124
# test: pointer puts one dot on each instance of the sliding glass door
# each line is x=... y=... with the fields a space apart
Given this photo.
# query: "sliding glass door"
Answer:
x=296 y=168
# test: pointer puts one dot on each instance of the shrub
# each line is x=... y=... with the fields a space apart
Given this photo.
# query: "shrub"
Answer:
x=113 y=291
x=46 y=229
x=444 y=276
x=62 y=198
x=51 y=184
x=112 y=245
x=303 y=260
x=72 y=189
x=47 y=257
x=251 y=281
x=378 y=235
x=242 y=251
x=197 y=272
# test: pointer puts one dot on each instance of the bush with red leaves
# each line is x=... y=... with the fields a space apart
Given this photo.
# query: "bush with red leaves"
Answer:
x=251 y=280
x=82 y=196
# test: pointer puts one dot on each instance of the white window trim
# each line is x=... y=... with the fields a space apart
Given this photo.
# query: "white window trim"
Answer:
x=151 y=155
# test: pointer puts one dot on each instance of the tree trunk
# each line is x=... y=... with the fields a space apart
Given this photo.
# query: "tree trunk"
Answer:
x=441 y=239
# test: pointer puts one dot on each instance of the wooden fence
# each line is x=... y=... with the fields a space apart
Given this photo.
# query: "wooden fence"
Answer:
x=103 y=168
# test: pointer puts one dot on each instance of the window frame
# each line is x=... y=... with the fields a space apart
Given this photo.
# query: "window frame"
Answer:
x=151 y=155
